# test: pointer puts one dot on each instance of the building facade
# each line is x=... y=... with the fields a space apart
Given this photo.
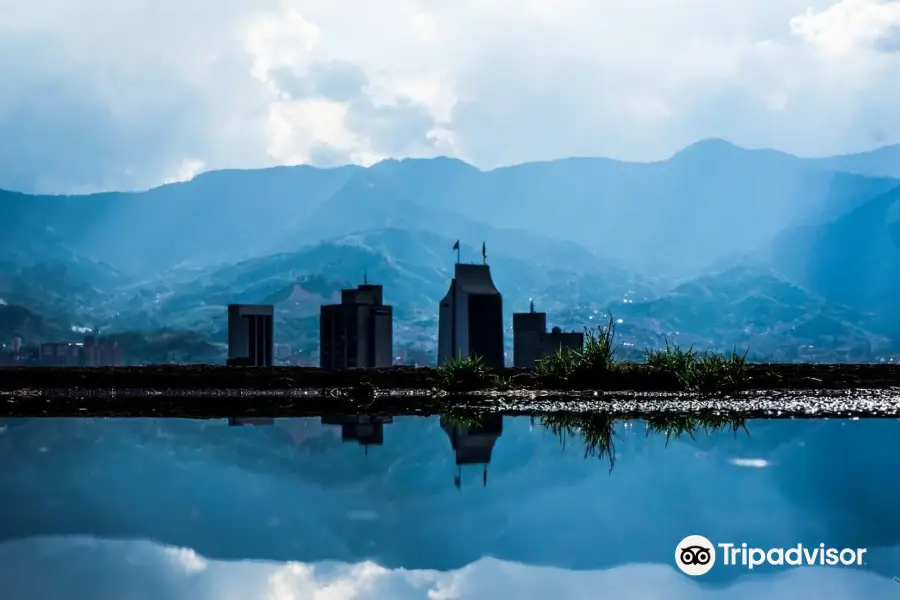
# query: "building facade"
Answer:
x=532 y=341
x=470 y=320
x=251 y=334
x=358 y=333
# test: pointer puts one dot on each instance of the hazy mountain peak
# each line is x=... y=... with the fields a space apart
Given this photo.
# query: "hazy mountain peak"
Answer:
x=716 y=148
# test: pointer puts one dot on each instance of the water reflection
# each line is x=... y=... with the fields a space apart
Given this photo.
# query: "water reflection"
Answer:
x=153 y=508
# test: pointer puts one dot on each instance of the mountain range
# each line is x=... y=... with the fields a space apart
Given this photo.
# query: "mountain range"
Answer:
x=718 y=246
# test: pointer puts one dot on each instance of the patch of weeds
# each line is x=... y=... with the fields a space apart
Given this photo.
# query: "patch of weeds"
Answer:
x=464 y=374
x=501 y=383
x=694 y=371
x=593 y=360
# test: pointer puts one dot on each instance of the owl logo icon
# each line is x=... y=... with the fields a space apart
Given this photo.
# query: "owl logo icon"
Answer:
x=695 y=555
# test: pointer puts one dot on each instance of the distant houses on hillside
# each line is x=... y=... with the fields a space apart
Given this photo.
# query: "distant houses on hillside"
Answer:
x=358 y=332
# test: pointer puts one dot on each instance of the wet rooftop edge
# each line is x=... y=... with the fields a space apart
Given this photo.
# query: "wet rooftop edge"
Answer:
x=311 y=402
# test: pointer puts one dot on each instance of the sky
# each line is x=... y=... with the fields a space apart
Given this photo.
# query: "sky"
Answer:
x=128 y=94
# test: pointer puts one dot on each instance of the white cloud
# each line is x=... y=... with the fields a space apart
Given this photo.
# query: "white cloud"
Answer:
x=103 y=94
x=185 y=559
x=104 y=570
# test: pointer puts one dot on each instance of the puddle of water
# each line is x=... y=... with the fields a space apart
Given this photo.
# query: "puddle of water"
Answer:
x=406 y=507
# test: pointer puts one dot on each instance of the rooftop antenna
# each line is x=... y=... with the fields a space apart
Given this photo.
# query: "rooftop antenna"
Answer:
x=483 y=253
x=531 y=304
x=365 y=277
x=456 y=247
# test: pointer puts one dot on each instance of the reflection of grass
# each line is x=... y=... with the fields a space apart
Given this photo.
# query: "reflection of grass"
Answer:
x=679 y=425
x=597 y=431
x=464 y=418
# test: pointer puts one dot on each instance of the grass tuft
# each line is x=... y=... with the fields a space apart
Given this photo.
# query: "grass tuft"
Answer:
x=593 y=366
x=464 y=375
x=593 y=360
x=693 y=371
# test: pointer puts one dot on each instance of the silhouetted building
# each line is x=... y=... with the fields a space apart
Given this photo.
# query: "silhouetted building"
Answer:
x=25 y=356
x=16 y=345
x=471 y=317
x=239 y=421
x=473 y=445
x=358 y=332
x=365 y=430
x=251 y=334
x=60 y=354
x=532 y=341
x=99 y=352
x=92 y=352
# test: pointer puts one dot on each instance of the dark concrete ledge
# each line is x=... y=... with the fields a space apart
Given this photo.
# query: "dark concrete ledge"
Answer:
x=625 y=377
x=224 y=403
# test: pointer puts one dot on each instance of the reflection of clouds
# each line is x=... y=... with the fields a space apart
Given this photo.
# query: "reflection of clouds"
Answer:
x=751 y=463
x=122 y=570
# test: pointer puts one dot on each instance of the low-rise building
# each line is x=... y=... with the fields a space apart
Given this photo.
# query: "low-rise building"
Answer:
x=532 y=341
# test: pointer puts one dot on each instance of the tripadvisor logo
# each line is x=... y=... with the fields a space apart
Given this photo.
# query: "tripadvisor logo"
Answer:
x=696 y=555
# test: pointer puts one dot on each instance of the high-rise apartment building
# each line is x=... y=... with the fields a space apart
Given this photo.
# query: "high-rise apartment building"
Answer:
x=358 y=332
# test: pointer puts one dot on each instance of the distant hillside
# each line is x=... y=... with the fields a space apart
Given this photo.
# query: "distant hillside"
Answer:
x=19 y=321
x=882 y=162
x=854 y=259
x=675 y=216
x=752 y=308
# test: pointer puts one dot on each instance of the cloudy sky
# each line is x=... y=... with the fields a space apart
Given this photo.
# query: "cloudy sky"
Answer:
x=127 y=94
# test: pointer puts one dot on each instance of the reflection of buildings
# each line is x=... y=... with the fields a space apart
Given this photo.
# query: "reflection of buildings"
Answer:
x=358 y=332
x=251 y=335
x=473 y=445
x=238 y=421
x=365 y=430
x=471 y=317
x=532 y=342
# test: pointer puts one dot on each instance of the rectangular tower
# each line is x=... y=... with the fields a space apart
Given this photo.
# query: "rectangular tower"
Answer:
x=358 y=332
x=251 y=334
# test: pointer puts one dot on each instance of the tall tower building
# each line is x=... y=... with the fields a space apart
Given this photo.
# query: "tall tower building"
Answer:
x=358 y=332
x=471 y=317
x=251 y=335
